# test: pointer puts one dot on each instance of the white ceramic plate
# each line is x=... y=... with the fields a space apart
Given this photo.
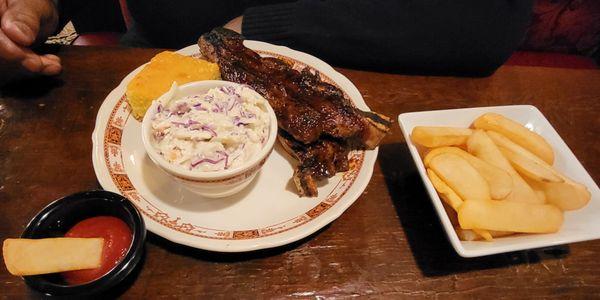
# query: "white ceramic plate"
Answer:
x=579 y=225
x=266 y=214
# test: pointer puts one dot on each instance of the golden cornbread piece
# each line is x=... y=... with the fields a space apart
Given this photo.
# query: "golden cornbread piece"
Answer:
x=157 y=77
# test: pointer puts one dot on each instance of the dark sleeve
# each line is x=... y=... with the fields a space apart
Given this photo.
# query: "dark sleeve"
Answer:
x=179 y=23
x=91 y=15
x=67 y=9
x=469 y=37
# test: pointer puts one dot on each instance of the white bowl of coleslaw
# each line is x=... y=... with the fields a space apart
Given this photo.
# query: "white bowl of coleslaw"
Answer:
x=212 y=136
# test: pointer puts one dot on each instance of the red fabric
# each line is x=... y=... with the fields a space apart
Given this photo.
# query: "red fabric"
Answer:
x=98 y=38
x=567 y=26
x=554 y=60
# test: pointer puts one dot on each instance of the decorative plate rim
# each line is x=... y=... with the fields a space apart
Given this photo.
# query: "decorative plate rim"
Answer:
x=108 y=134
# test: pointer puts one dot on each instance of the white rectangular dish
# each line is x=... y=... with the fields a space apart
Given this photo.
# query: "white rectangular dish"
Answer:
x=579 y=225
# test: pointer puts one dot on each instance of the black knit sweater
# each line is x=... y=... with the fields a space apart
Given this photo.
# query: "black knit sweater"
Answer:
x=469 y=37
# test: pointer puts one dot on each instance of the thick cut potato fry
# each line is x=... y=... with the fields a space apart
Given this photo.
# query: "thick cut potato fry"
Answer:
x=466 y=234
x=431 y=136
x=42 y=256
x=558 y=189
x=567 y=195
x=522 y=192
x=524 y=161
x=452 y=199
x=473 y=234
x=461 y=177
x=536 y=187
x=530 y=168
x=484 y=234
x=480 y=145
x=510 y=216
x=499 y=180
x=446 y=193
x=496 y=233
x=517 y=133
x=470 y=235
x=452 y=214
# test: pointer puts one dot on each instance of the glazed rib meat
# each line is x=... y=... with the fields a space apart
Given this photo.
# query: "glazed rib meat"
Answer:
x=318 y=160
x=318 y=124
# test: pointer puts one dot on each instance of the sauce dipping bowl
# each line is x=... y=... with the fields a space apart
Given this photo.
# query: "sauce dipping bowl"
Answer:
x=59 y=216
x=211 y=184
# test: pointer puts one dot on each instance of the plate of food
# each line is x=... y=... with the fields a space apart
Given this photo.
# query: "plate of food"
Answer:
x=322 y=161
x=501 y=179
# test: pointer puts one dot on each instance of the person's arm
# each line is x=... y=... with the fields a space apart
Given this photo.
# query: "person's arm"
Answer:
x=470 y=37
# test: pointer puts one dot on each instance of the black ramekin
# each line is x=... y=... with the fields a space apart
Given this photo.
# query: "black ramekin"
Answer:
x=59 y=216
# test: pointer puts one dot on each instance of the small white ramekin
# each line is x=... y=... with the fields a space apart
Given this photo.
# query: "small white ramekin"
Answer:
x=212 y=184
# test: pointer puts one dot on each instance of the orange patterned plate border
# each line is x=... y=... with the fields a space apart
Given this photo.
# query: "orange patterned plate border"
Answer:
x=113 y=158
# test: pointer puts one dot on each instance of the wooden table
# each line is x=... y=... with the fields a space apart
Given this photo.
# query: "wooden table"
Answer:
x=388 y=244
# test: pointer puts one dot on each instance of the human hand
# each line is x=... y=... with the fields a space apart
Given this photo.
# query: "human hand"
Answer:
x=235 y=24
x=22 y=23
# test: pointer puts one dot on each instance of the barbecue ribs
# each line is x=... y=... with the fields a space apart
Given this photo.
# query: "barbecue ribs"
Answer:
x=317 y=124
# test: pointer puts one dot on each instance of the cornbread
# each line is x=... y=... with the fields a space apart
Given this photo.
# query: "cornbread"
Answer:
x=157 y=77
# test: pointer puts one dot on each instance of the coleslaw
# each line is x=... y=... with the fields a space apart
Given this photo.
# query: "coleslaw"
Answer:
x=218 y=130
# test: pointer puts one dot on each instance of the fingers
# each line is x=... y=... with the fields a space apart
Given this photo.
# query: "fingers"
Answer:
x=19 y=28
x=51 y=64
x=45 y=64
x=21 y=24
x=9 y=50
x=19 y=32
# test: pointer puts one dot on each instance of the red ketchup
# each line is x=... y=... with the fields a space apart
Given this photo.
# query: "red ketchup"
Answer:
x=117 y=240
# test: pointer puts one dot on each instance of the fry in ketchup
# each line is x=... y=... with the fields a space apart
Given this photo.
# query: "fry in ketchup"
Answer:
x=117 y=240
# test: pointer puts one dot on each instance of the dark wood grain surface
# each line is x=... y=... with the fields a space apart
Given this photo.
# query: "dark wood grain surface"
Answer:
x=388 y=244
